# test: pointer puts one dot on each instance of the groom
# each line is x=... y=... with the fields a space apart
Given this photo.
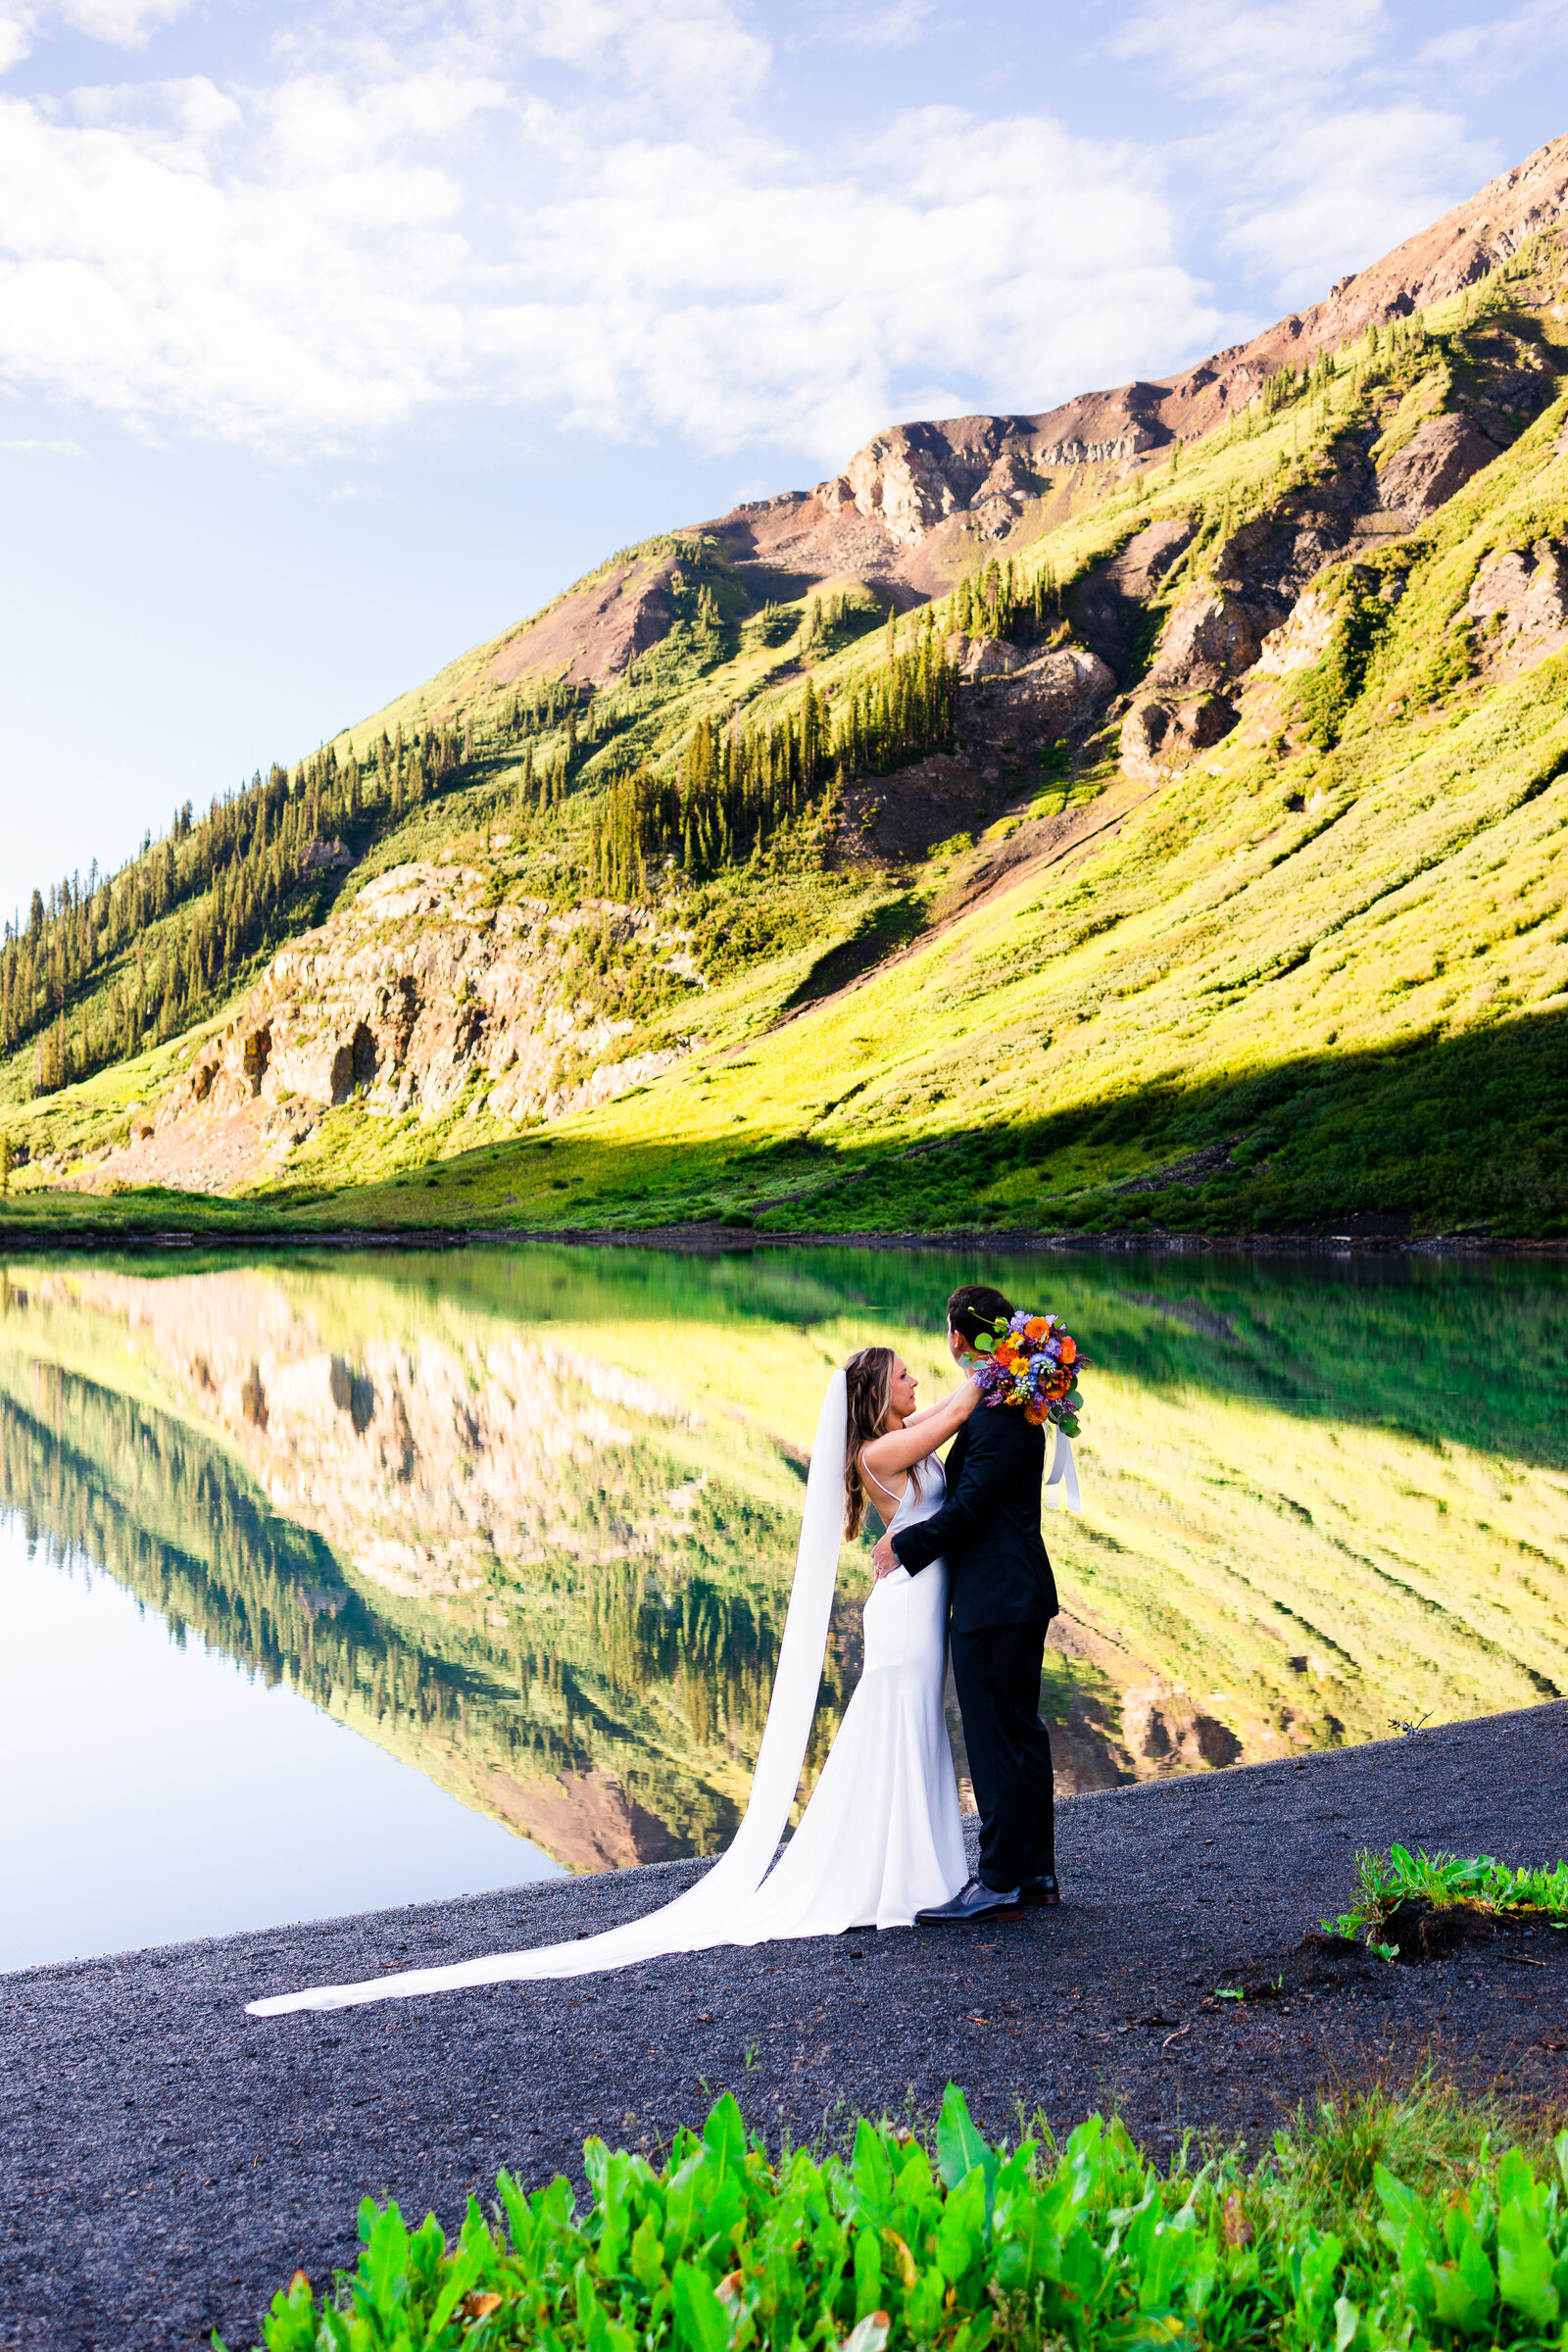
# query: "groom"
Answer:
x=1001 y=1597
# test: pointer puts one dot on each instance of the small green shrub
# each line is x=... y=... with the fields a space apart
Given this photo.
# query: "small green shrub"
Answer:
x=1398 y=1877
x=722 y=2249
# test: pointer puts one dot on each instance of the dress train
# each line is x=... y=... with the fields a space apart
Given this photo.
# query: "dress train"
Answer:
x=881 y=1837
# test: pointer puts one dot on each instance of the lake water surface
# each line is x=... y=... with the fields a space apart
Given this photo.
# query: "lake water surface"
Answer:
x=332 y=1583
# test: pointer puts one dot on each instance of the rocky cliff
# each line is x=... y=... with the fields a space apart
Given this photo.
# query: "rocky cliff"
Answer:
x=908 y=507
x=909 y=495
x=418 y=999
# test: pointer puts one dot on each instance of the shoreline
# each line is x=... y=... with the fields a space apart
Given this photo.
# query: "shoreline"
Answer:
x=713 y=1239
x=168 y=2162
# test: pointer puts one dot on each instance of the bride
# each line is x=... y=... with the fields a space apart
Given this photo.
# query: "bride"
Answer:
x=881 y=1838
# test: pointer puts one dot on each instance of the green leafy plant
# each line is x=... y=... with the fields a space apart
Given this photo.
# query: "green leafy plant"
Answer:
x=1385 y=1881
x=723 y=2248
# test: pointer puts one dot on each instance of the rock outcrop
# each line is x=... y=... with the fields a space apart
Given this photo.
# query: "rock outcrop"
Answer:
x=1438 y=459
x=1211 y=638
x=1161 y=735
x=1301 y=640
x=418 y=997
x=1519 y=604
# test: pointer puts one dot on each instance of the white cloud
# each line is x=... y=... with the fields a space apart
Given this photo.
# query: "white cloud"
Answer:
x=1479 y=55
x=743 y=297
x=383 y=232
x=596 y=212
x=686 y=51
x=1324 y=138
x=45 y=449
x=125 y=24
x=1252 y=52
x=1352 y=186
x=894 y=24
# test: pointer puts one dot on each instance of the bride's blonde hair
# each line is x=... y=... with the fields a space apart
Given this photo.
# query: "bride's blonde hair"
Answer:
x=869 y=1381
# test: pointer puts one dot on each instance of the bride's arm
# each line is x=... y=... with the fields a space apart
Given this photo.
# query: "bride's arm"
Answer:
x=945 y=1404
x=900 y=1448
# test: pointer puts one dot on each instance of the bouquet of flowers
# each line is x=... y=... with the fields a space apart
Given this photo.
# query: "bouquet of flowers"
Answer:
x=1032 y=1360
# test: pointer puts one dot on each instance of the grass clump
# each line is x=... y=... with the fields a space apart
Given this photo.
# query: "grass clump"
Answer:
x=1385 y=1881
x=1373 y=2222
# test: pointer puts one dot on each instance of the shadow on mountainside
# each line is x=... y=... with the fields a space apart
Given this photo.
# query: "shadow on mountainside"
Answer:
x=1459 y=1134
x=1464 y=1135
x=888 y=928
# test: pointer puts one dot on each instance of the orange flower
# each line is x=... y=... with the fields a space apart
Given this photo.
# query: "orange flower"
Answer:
x=1069 y=1351
x=1035 y=1415
x=1035 y=1328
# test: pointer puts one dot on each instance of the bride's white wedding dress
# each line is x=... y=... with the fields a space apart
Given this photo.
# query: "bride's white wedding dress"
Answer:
x=881 y=1837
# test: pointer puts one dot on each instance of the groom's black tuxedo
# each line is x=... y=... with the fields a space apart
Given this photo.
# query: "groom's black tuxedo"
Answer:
x=988 y=1530
x=1001 y=1596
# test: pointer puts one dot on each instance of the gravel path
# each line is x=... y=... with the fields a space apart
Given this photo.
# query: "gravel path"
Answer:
x=167 y=2162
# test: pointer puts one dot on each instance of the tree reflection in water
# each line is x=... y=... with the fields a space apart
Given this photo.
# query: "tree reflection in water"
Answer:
x=628 y=1735
x=527 y=1517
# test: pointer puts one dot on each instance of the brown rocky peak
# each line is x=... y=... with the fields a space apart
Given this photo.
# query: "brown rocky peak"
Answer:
x=900 y=513
x=596 y=630
x=903 y=498
x=1465 y=246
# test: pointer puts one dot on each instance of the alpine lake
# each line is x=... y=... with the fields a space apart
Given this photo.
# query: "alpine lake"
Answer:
x=332 y=1582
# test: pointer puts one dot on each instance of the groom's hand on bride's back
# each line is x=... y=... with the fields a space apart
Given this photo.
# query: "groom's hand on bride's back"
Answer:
x=883 y=1557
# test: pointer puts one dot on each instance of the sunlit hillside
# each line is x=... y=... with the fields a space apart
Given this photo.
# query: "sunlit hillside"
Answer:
x=1181 y=850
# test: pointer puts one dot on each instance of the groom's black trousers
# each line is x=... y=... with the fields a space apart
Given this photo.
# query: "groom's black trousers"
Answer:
x=996 y=1672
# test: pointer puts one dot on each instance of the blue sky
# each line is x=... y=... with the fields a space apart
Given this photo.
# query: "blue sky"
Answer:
x=333 y=338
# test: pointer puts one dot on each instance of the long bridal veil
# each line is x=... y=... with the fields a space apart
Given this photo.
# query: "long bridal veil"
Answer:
x=705 y=1913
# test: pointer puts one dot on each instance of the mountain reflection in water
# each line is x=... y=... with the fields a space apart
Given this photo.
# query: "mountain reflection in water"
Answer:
x=526 y=1518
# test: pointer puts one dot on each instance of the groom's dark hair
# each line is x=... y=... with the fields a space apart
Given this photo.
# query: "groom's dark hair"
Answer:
x=975 y=1309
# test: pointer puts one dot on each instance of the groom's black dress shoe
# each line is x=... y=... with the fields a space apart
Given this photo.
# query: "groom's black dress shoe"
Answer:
x=973 y=1902
x=1039 y=1893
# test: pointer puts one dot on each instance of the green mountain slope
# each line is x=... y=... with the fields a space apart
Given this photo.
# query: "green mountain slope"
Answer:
x=1192 y=860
